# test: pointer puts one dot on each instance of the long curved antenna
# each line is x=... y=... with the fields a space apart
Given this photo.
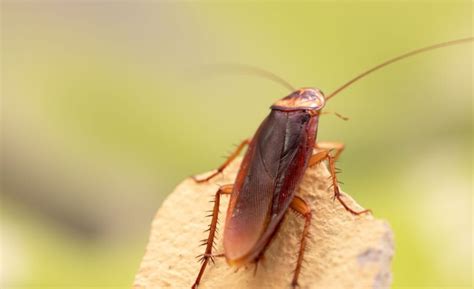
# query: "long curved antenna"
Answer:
x=233 y=67
x=395 y=59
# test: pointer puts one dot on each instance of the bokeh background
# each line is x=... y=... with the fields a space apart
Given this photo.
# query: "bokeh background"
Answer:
x=107 y=105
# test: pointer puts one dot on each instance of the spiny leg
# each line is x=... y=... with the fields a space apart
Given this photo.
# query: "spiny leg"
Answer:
x=337 y=193
x=227 y=189
x=326 y=154
x=226 y=163
x=301 y=207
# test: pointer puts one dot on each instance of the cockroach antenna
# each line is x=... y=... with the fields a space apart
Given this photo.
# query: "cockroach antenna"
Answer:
x=395 y=59
x=250 y=69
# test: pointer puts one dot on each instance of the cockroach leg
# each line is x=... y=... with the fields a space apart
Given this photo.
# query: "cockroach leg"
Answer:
x=225 y=164
x=224 y=190
x=301 y=208
x=259 y=260
x=318 y=157
x=255 y=269
x=325 y=154
x=338 y=147
x=337 y=193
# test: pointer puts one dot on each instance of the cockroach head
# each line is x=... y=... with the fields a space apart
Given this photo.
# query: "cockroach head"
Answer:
x=302 y=99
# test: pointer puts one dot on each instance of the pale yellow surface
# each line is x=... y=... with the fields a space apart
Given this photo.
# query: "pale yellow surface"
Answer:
x=344 y=251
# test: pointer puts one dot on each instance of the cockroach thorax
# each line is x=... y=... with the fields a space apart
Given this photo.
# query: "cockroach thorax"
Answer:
x=301 y=99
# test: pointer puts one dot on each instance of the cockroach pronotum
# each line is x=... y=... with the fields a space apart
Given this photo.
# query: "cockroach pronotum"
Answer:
x=273 y=166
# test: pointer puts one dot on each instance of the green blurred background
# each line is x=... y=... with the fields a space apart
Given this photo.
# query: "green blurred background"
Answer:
x=106 y=106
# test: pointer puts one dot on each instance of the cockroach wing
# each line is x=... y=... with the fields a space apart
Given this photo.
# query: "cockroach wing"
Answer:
x=265 y=185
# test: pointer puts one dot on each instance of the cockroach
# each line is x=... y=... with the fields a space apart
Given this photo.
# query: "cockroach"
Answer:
x=276 y=159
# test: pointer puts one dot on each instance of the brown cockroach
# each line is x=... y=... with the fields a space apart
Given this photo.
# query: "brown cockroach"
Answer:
x=271 y=170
